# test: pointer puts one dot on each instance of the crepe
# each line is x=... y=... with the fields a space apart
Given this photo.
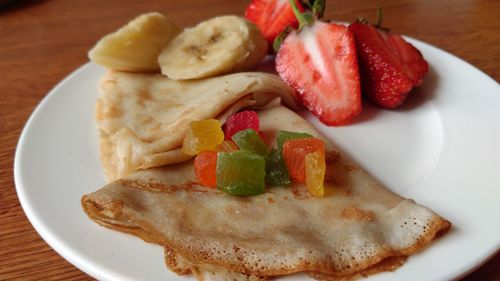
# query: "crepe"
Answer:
x=142 y=118
x=359 y=227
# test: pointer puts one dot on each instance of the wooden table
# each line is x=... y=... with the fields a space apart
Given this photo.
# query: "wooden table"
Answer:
x=43 y=41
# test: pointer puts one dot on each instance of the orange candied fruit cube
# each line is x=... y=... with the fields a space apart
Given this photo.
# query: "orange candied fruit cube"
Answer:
x=205 y=165
x=294 y=153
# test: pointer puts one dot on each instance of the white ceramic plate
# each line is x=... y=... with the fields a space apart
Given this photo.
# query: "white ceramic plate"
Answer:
x=442 y=148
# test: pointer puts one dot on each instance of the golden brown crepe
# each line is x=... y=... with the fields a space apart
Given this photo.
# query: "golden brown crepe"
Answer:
x=143 y=118
x=359 y=227
x=210 y=272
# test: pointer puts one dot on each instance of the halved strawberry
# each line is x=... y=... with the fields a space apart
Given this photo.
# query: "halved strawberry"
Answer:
x=272 y=17
x=390 y=67
x=320 y=63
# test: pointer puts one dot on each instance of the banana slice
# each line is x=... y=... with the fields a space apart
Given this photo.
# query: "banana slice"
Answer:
x=213 y=47
x=136 y=46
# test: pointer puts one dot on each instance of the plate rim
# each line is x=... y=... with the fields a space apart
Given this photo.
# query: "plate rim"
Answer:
x=44 y=232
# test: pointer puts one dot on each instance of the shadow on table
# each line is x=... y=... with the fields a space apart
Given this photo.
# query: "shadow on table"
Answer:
x=12 y=5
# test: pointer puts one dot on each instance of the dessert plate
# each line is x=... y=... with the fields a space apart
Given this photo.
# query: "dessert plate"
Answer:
x=442 y=149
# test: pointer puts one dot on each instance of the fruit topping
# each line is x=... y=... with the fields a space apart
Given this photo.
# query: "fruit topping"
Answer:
x=315 y=168
x=319 y=62
x=284 y=136
x=294 y=153
x=217 y=46
x=245 y=164
x=390 y=67
x=135 y=46
x=240 y=173
x=202 y=135
x=240 y=121
x=205 y=165
x=276 y=171
x=250 y=140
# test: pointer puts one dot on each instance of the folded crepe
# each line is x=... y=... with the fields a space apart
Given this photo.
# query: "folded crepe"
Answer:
x=142 y=118
x=359 y=227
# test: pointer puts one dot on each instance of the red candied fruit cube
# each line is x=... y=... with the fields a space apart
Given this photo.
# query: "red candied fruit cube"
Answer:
x=241 y=121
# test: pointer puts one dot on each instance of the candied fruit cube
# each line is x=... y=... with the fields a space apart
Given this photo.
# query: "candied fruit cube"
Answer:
x=284 y=136
x=294 y=152
x=205 y=165
x=276 y=171
x=202 y=135
x=315 y=166
x=250 y=140
x=241 y=121
x=240 y=173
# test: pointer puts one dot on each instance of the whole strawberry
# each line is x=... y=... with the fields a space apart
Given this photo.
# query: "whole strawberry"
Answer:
x=389 y=66
x=319 y=62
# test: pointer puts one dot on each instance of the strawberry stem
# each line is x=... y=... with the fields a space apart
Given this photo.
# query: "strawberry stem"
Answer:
x=318 y=8
x=302 y=18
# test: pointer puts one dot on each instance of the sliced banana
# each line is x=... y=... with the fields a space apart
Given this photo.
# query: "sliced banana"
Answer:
x=136 y=46
x=213 y=47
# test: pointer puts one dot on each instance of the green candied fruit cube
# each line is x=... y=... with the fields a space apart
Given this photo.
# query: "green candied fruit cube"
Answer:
x=284 y=136
x=241 y=173
x=250 y=140
x=276 y=170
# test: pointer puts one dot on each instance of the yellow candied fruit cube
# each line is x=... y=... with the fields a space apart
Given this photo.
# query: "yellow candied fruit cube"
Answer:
x=202 y=135
x=315 y=173
x=227 y=146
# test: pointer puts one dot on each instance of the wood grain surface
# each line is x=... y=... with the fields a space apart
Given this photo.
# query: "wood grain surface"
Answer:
x=43 y=41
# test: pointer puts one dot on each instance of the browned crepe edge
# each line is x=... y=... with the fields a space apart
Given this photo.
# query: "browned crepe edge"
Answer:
x=182 y=266
x=387 y=264
x=173 y=263
x=436 y=229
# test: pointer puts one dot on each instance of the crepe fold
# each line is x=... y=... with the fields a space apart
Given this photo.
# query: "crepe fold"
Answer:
x=359 y=227
x=143 y=118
